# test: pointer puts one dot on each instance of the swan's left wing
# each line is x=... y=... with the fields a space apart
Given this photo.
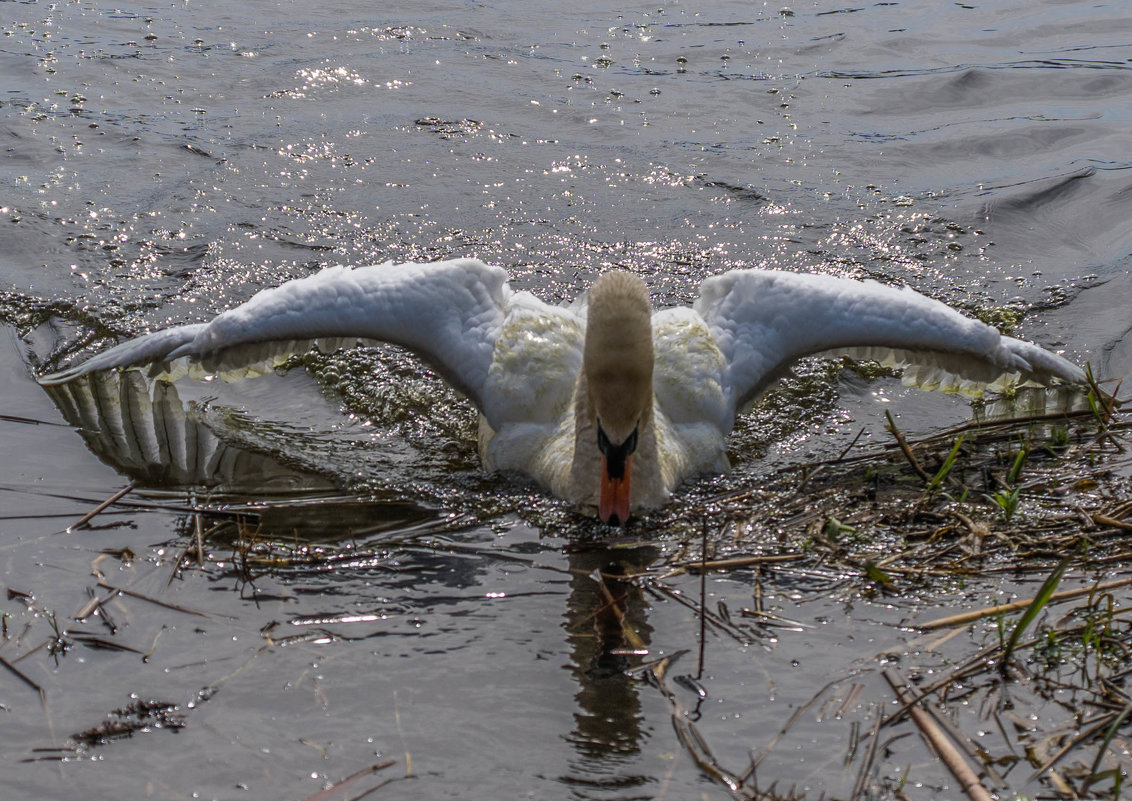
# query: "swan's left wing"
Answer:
x=450 y=313
x=763 y=320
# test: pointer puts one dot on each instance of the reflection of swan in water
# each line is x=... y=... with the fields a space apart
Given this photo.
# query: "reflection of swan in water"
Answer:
x=607 y=621
x=144 y=429
x=586 y=397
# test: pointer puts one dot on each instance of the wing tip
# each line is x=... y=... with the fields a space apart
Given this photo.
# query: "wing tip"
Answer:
x=60 y=377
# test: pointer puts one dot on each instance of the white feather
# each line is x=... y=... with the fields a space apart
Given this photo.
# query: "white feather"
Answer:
x=764 y=320
x=519 y=359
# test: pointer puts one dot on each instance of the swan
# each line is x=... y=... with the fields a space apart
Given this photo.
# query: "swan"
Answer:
x=606 y=402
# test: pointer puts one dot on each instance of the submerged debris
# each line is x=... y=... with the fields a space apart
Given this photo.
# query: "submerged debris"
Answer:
x=137 y=716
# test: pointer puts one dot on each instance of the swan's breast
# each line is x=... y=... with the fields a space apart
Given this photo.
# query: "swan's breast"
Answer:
x=544 y=451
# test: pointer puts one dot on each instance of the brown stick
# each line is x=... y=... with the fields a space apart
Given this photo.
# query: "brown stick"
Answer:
x=117 y=496
x=738 y=561
x=157 y=601
x=198 y=526
x=1013 y=606
x=333 y=790
x=907 y=451
x=24 y=677
x=1104 y=520
x=943 y=746
x=703 y=598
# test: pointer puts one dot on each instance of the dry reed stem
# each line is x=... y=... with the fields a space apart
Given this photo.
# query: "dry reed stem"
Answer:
x=689 y=737
x=25 y=679
x=870 y=757
x=117 y=496
x=333 y=790
x=940 y=742
x=157 y=601
x=695 y=566
x=905 y=449
x=1085 y=735
x=1013 y=606
x=1104 y=520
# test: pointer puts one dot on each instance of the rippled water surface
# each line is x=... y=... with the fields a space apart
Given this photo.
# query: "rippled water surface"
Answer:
x=162 y=163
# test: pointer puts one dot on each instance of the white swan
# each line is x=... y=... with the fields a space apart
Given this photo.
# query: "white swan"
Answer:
x=605 y=403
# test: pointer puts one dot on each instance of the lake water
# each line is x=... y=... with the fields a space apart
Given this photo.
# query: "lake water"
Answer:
x=163 y=163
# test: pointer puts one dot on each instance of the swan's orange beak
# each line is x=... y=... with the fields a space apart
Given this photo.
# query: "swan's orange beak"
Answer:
x=614 y=505
x=616 y=463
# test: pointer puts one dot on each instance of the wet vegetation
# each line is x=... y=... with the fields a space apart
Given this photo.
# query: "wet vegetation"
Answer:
x=1025 y=698
x=1038 y=499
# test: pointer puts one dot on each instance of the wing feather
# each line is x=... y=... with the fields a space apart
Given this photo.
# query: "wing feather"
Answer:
x=763 y=320
x=450 y=313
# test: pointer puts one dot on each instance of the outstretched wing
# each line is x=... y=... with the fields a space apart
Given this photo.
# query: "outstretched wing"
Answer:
x=763 y=320
x=450 y=313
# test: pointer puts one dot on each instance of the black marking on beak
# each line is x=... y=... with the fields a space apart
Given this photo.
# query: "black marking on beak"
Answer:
x=615 y=455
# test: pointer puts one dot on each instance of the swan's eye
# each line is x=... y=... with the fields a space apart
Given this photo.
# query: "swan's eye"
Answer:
x=631 y=443
x=603 y=443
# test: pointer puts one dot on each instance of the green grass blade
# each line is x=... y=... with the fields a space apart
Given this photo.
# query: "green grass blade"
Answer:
x=1049 y=586
x=945 y=468
x=1110 y=732
x=1016 y=468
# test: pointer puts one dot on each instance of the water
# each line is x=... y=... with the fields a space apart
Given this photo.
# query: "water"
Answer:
x=162 y=163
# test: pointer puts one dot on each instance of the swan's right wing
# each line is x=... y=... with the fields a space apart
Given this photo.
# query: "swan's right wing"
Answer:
x=763 y=320
x=450 y=313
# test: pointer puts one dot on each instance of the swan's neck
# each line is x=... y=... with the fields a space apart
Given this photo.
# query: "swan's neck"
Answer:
x=618 y=356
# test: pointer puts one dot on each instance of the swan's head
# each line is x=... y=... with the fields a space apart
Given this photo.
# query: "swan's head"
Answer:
x=618 y=364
